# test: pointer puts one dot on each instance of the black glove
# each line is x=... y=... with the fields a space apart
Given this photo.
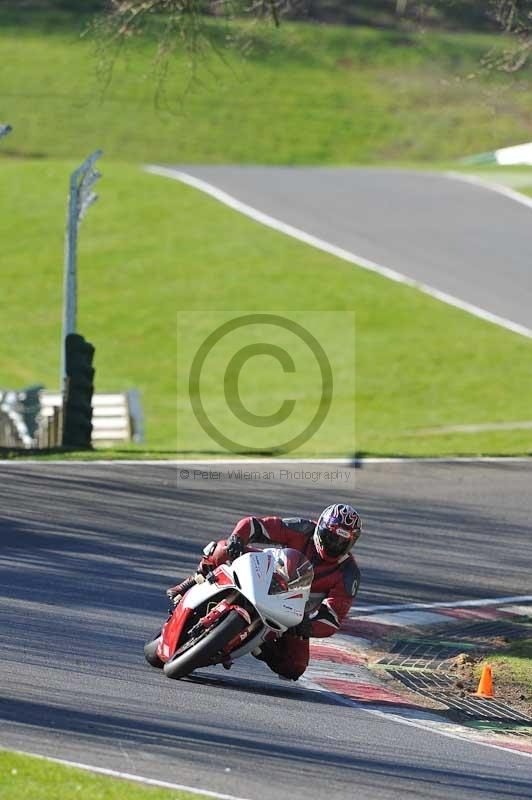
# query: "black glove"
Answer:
x=303 y=630
x=235 y=546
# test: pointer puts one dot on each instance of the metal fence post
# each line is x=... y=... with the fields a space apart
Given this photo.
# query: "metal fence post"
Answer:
x=80 y=198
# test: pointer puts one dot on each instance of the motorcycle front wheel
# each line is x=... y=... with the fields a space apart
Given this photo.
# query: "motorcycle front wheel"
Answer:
x=150 y=652
x=204 y=650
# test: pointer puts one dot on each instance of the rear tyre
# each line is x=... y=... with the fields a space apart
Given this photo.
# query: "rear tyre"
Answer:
x=150 y=652
x=205 y=650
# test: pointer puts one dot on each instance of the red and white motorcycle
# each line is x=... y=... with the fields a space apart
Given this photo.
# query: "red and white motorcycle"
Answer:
x=233 y=611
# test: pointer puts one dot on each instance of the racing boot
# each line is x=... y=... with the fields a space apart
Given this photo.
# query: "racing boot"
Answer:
x=263 y=651
x=175 y=593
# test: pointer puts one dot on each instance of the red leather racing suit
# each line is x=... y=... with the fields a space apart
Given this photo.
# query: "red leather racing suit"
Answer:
x=334 y=586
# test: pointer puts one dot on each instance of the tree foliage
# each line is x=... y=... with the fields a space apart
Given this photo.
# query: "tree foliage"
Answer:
x=184 y=23
x=185 y=20
x=514 y=15
x=514 y=18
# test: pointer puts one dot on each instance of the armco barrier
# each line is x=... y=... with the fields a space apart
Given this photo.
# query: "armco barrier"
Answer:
x=29 y=425
x=18 y=413
x=9 y=433
x=116 y=418
x=50 y=431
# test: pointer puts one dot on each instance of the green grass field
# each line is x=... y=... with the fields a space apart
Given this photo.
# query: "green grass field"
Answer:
x=154 y=247
x=304 y=94
x=27 y=778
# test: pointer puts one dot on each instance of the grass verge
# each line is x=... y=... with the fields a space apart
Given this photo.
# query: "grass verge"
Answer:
x=304 y=94
x=154 y=248
x=512 y=670
x=28 y=778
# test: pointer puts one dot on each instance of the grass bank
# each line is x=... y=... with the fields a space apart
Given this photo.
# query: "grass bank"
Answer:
x=304 y=94
x=512 y=674
x=28 y=778
x=513 y=665
x=154 y=248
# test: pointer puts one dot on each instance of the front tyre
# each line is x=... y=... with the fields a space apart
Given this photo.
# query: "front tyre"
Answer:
x=205 y=650
x=150 y=652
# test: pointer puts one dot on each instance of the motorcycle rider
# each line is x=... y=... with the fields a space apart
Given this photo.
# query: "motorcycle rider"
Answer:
x=326 y=544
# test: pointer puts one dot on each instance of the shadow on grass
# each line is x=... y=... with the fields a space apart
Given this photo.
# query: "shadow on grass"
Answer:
x=46 y=20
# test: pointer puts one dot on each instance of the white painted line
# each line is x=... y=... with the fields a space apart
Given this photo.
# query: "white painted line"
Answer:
x=342 y=462
x=433 y=726
x=346 y=640
x=517 y=154
x=473 y=428
x=404 y=617
x=339 y=252
x=518 y=610
x=492 y=601
x=127 y=776
x=511 y=194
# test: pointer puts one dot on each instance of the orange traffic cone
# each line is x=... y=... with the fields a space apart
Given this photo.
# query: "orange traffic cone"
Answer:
x=485 y=686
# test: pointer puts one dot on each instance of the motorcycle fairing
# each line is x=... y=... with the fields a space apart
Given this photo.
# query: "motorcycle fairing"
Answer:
x=251 y=576
x=173 y=628
x=254 y=572
x=171 y=633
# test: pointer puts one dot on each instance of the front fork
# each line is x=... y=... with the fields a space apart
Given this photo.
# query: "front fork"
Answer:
x=222 y=608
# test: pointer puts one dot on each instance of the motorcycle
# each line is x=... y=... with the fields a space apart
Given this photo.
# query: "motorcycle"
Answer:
x=233 y=611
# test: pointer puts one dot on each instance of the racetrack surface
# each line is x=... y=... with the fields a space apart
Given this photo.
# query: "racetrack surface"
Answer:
x=86 y=552
x=456 y=237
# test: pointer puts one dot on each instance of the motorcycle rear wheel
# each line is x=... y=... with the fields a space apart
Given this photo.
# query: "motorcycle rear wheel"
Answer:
x=203 y=653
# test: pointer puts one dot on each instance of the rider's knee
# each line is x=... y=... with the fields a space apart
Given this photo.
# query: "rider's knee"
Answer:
x=292 y=674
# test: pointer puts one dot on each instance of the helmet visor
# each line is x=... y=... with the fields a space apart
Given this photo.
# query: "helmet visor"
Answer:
x=336 y=542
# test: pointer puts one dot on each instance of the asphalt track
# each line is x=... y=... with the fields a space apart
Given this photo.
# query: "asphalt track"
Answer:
x=86 y=551
x=458 y=238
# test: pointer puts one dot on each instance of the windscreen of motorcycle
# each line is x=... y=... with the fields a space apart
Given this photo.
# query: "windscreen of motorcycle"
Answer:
x=291 y=572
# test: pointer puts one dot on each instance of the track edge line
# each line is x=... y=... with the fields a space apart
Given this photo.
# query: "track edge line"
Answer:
x=125 y=775
x=334 y=250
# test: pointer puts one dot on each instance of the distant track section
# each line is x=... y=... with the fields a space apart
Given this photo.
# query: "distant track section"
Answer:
x=456 y=240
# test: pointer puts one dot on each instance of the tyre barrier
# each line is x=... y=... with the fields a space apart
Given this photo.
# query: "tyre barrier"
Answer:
x=32 y=419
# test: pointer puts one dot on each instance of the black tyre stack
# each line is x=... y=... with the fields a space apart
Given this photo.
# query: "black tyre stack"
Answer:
x=79 y=388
